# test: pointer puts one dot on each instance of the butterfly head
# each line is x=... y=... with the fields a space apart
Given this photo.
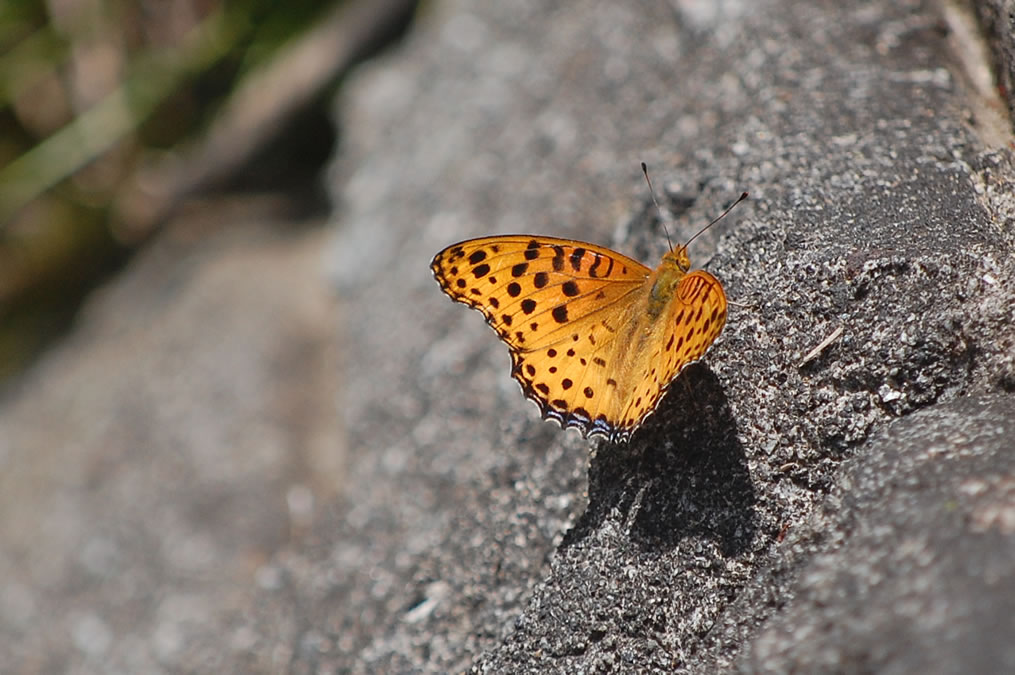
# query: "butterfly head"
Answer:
x=677 y=258
x=666 y=278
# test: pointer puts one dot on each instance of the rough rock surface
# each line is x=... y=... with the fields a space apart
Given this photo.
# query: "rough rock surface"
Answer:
x=786 y=507
x=998 y=20
x=881 y=218
x=907 y=566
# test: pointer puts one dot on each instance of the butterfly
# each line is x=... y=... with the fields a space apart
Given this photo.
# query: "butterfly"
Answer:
x=595 y=337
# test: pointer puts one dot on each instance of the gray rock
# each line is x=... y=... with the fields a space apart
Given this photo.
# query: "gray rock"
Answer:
x=878 y=219
x=907 y=566
x=165 y=449
x=998 y=20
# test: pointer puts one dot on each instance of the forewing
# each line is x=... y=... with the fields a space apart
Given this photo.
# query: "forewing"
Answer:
x=530 y=288
x=557 y=304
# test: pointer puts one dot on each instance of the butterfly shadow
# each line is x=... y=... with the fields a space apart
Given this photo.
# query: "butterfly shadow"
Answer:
x=683 y=474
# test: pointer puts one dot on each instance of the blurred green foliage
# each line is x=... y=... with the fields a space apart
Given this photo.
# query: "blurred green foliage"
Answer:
x=90 y=90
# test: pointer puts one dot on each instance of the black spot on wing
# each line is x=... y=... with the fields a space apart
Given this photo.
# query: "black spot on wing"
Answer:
x=576 y=259
x=558 y=258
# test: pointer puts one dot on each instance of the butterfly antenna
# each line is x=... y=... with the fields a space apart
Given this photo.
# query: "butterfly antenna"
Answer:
x=743 y=196
x=651 y=191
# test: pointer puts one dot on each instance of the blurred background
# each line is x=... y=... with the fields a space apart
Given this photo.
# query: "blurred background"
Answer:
x=115 y=114
x=169 y=343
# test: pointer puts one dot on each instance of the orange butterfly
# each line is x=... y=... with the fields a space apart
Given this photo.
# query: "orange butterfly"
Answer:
x=595 y=337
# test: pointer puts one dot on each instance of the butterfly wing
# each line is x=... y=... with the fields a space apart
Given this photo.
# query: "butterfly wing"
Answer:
x=558 y=304
x=695 y=318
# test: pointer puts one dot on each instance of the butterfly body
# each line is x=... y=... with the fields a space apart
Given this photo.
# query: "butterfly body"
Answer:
x=595 y=337
x=666 y=278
